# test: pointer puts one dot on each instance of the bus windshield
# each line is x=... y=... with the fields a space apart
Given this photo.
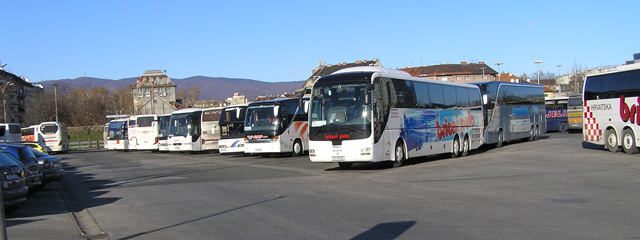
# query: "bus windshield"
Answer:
x=117 y=130
x=340 y=109
x=180 y=124
x=262 y=118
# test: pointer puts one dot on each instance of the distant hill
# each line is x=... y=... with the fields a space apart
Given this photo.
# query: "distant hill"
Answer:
x=210 y=87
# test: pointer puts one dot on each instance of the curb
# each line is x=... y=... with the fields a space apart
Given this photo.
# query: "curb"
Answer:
x=87 y=225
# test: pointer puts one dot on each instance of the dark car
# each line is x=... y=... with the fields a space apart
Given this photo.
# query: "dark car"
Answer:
x=33 y=176
x=50 y=166
x=14 y=192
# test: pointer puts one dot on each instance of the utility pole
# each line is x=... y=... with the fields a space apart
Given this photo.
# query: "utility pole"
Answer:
x=55 y=98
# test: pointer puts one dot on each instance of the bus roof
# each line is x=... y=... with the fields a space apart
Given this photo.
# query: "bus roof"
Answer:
x=187 y=110
x=507 y=83
x=393 y=73
x=274 y=101
x=621 y=68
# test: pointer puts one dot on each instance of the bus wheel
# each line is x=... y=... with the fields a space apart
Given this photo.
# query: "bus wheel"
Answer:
x=400 y=157
x=564 y=127
x=629 y=142
x=500 y=139
x=612 y=140
x=532 y=134
x=456 y=148
x=537 y=137
x=465 y=147
x=345 y=165
x=297 y=148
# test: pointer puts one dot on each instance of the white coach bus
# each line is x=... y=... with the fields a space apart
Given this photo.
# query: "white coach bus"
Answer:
x=146 y=134
x=185 y=132
x=210 y=128
x=276 y=126
x=372 y=114
x=232 y=129
x=612 y=109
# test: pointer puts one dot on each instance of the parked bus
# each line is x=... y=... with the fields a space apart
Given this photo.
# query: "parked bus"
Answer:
x=276 y=126
x=512 y=111
x=574 y=112
x=29 y=134
x=118 y=138
x=146 y=133
x=185 y=130
x=210 y=128
x=131 y=133
x=611 y=109
x=232 y=129
x=163 y=132
x=10 y=133
x=372 y=114
x=557 y=117
x=55 y=136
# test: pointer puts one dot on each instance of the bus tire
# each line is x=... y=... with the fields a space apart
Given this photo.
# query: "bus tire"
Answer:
x=456 y=147
x=532 y=134
x=297 y=148
x=629 y=142
x=537 y=137
x=399 y=154
x=563 y=127
x=611 y=140
x=465 y=147
x=345 y=165
x=500 y=139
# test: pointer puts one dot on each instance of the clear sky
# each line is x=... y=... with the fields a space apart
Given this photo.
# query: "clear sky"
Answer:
x=279 y=41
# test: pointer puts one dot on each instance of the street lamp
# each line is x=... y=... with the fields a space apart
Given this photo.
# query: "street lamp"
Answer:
x=4 y=99
x=499 y=75
x=55 y=98
x=538 y=64
x=482 y=73
x=560 y=85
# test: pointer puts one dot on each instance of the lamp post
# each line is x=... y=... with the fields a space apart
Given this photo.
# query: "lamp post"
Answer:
x=559 y=85
x=55 y=98
x=499 y=73
x=538 y=64
x=482 y=73
x=4 y=99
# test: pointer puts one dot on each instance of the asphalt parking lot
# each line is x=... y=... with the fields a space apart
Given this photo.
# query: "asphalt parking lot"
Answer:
x=553 y=188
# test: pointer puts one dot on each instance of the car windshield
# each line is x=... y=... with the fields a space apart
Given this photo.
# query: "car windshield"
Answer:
x=7 y=159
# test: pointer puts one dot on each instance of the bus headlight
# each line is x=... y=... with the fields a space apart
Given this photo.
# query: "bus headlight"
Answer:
x=312 y=152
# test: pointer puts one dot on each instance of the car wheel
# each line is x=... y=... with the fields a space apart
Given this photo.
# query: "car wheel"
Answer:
x=629 y=142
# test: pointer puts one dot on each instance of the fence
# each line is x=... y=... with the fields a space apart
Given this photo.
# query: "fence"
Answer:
x=97 y=144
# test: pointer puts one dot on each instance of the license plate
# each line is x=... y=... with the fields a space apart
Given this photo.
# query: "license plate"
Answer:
x=12 y=177
x=258 y=149
x=337 y=158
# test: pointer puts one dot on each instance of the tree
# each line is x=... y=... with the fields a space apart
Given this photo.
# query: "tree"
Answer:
x=577 y=78
x=89 y=108
x=189 y=96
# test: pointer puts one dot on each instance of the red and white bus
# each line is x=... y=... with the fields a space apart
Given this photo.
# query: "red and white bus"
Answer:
x=612 y=109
